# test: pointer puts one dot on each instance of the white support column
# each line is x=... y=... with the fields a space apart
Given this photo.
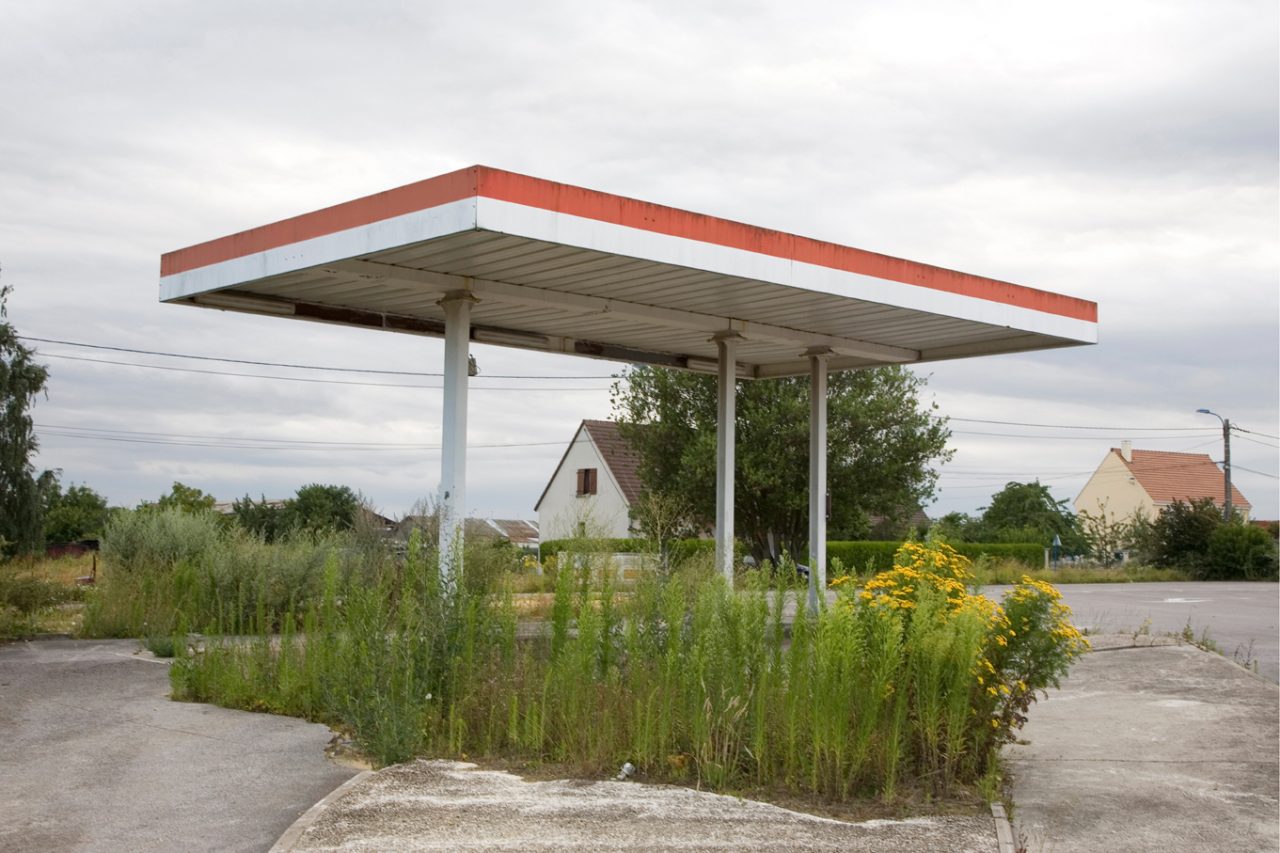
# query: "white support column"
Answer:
x=726 y=424
x=453 y=453
x=818 y=469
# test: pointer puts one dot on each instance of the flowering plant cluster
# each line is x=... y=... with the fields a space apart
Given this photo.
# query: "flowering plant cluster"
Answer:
x=972 y=667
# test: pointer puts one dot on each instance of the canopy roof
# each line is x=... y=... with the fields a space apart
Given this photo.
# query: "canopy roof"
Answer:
x=559 y=268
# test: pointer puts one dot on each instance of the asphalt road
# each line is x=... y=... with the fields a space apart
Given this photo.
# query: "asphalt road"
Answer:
x=1241 y=619
x=95 y=757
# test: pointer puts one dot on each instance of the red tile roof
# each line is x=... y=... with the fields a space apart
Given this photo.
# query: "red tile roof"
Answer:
x=1167 y=477
x=619 y=455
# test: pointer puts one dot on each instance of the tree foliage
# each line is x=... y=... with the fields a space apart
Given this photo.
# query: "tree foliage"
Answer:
x=315 y=508
x=1181 y=533
x=183 y=498
x=262 y=518
x=78 y=513
x=21 y=380
x=1238 y=550
x=1028 y=512
x=318 y=507
x=881 y=444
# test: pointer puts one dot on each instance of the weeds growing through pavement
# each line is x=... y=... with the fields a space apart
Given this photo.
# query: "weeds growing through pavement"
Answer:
x=909 y=682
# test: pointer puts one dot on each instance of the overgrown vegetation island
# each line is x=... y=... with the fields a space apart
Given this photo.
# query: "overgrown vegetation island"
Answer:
x=905 y=686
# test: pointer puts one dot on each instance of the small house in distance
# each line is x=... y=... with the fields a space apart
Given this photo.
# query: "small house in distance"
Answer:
x=593 y=487
x=1145 y=481
x=519 y=532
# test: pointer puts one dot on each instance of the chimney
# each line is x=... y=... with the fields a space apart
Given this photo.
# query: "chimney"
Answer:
x=1126 y=450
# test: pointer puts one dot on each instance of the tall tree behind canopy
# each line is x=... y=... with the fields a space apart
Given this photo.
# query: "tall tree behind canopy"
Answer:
x=881 y=444
x=21 y=379
x=1028 y=512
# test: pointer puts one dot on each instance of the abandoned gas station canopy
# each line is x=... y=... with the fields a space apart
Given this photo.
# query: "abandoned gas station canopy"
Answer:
x=558 y=268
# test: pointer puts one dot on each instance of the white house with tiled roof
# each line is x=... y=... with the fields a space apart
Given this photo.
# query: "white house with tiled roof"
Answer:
x=1145 y=481
x=594 y=485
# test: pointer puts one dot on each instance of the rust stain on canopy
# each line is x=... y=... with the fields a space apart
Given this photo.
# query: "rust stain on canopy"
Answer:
x=561 y=268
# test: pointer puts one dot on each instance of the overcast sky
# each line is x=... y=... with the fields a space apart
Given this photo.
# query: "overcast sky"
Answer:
x=1121 y=152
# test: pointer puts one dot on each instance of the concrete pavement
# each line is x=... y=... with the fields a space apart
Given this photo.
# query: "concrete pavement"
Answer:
x=1157 y=748
x=95 y=757
x=448 y=805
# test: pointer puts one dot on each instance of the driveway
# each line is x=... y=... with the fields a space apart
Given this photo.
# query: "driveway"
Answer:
x=96 y=757
x=1242 y=619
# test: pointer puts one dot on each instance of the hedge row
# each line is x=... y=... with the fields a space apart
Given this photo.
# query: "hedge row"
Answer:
x=858 y=557
x=870 y=557
x=679 y=549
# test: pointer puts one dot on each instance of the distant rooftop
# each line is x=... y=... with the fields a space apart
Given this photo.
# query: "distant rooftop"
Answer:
x=1168 y=476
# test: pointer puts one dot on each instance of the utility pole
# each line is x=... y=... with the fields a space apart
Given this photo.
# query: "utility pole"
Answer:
x=1226 y=462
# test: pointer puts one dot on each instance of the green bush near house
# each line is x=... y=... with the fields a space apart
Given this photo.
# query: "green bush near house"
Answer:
x=1241 y=551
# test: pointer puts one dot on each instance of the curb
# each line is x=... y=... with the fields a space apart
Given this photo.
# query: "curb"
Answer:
x=303 y=823
x=1004 y=832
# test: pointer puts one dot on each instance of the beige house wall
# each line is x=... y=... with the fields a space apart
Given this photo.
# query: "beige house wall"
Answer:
x=562 y=510
x=1114 y=490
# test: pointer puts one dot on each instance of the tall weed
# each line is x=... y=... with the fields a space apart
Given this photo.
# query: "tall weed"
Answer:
x=912 y=681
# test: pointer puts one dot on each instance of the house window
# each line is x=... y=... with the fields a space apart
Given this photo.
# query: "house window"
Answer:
x=586 y=481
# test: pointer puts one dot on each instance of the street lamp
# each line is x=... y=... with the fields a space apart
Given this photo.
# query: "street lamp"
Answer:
x=1226 y=462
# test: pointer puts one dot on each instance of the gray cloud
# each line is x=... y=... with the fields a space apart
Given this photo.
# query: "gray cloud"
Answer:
x=1125 y=154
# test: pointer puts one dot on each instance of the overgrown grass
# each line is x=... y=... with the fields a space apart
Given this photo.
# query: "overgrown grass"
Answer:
x=910 y=684
x=214 y=577
x=33 y=595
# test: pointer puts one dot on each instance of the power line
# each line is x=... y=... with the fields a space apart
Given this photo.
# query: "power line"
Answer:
x=1255 y=441
x=277 y=363
x=1071 y=426
x=232 y=442
x=1235 y=467
x=305 y=379
x=1072 y=437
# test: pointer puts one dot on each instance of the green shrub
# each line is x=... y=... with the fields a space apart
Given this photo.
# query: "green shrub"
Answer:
x=158 y=538
x=863 y=558
x=1240 y=551
x=866 y=558
x=1181 y=532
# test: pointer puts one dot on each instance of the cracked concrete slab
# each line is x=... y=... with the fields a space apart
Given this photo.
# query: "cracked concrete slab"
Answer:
x=1157 y=748
x=447 y=805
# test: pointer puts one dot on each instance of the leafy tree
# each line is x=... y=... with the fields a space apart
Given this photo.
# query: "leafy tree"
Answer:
x=21 y=380
x=78 y=513
x=957 y=527
x=881 y=443
x=1028 y=512
x=262 y=518
x=1181 y=533
x=316 y=508
x=1238 y=550
x=182 y=498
